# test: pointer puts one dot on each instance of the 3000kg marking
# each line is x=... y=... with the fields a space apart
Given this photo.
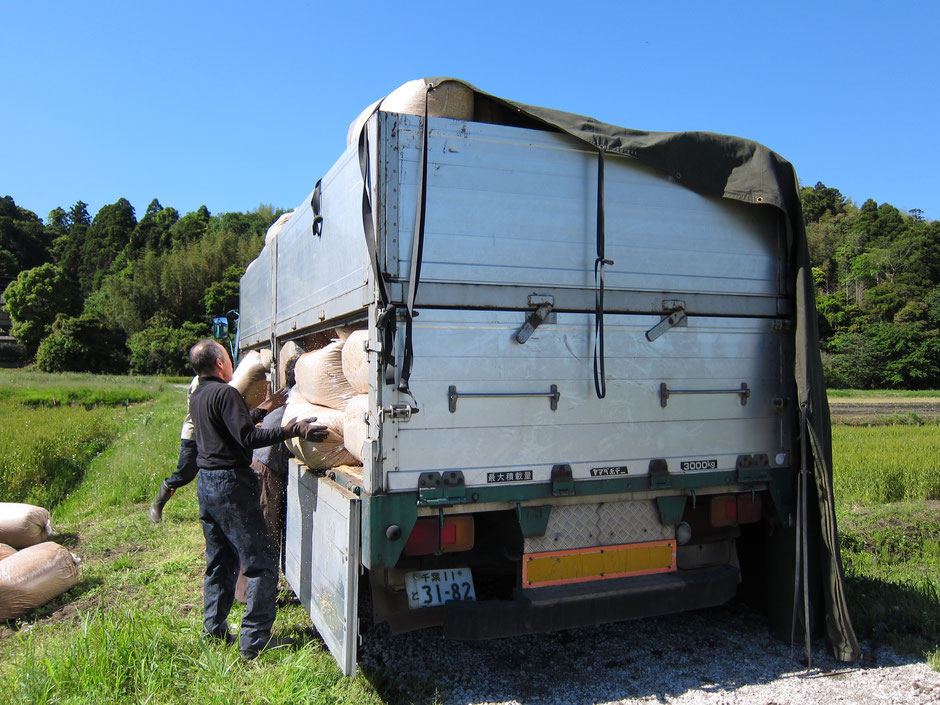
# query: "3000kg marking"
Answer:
x=698 y=465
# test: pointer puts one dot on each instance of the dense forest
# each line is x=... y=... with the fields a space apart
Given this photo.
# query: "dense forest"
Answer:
x=116 y=294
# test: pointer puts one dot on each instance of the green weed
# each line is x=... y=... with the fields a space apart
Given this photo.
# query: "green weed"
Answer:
x=878 y=464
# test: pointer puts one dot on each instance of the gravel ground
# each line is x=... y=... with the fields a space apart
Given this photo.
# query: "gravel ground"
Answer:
x=723 y=655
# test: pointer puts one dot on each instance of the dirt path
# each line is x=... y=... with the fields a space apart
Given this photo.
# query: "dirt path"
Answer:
x=924 y=407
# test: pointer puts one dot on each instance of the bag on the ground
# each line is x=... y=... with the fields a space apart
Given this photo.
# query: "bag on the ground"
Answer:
x=23 y=525
x=33 y=576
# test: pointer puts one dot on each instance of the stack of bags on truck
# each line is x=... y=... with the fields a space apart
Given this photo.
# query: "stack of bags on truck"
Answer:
x=332 y=384
x=33 y=570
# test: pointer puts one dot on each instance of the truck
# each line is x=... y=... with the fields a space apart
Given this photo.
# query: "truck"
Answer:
x=594 y=389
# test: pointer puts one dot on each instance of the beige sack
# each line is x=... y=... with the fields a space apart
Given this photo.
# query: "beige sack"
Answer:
x=33 y=576
x=276 y=227
x=356 y=361
x=355 y=427
x=450 y=99
x=325 y=454
x=320 y=378
x=249 y=378
x=290 y=351
x=6 y=550
x=23 y=525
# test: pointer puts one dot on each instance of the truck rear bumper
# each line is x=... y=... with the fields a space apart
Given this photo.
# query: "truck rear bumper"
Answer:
x=568 y=606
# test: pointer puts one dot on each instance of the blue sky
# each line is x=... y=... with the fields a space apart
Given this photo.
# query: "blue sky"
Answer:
x=236 y=104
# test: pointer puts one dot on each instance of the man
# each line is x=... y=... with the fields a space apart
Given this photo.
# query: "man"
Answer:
x=186 y=467
x=229 y=501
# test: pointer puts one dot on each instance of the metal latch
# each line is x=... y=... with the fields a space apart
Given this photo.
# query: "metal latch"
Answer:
x=544 y=306
x=402 y=412
x=676 y=318
x=435 y=488
x=562 y=481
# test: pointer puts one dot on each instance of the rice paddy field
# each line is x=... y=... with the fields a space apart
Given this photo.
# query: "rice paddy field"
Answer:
x=94 y=449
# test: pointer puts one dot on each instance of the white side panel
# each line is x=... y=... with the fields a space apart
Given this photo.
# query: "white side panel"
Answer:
x=325 y=277
x=475 y=352
x=322 y=559
x=256 y=293
x=514 y=206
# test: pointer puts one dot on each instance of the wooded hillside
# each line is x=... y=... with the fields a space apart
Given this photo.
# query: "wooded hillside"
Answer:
x=111 y=293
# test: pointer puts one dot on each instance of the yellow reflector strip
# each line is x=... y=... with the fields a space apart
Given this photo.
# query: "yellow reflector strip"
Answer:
x=598 y=563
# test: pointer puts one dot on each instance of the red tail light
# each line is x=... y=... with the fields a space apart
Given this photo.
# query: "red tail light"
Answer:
x=428 y=536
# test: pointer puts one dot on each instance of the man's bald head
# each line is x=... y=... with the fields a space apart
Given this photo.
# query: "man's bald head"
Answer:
x=206 y=356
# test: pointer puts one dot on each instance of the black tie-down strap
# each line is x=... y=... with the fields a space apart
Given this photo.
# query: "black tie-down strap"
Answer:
x=386 y=321
x=417 y=250
x=316 y=207
x=600 y=377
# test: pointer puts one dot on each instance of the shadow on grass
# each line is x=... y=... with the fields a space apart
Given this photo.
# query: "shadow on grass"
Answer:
x=906 y=615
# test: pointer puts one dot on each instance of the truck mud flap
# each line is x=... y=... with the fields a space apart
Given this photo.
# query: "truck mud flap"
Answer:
x=568 y=606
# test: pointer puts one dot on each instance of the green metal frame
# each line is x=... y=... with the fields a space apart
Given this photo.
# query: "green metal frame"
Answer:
x=382 y=545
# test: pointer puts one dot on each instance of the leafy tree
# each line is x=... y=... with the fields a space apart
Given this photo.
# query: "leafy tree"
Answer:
x=222 y=295
x=24 y=243
x=69 y=233
x=190 y=228
x=820 y=201
x=161 y=349
x=107 y=236
x=35 y=298
x=153 y=230
x=82 y=344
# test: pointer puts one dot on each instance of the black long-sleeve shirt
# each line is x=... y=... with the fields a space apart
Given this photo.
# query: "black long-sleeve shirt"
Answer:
x=225 y=429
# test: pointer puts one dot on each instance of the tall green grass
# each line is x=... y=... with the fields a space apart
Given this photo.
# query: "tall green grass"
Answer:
x=55 y=425
x=130 y=630
x=892 y=463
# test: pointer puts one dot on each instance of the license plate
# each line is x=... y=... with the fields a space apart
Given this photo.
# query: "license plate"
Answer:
x=427 y=588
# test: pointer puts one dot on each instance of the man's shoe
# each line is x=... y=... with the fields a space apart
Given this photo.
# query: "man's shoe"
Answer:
x=226 y=638
x=156 y=509
x=273 y=643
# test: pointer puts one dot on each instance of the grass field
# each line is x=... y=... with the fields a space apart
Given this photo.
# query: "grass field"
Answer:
x=130 y=630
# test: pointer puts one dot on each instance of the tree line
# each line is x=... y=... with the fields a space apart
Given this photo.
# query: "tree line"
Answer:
x=877 y=276
x=116 y=294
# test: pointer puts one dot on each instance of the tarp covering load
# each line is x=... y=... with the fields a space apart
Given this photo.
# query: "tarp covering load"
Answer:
x=718 y=166
x=23 y=525
x=320 y=377
x=33 y=576
x=249 y=377
x=323 y=454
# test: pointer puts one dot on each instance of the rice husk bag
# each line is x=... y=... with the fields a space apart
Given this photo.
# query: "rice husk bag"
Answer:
x=33 y=576
x=276 y=227
x=320 y=377
x=249 y=377
x=6 y=550
x=355 y=427
x=356 y=361
x=23 y=525
x=327 y=453
x=290 y=351
x=450 y=99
